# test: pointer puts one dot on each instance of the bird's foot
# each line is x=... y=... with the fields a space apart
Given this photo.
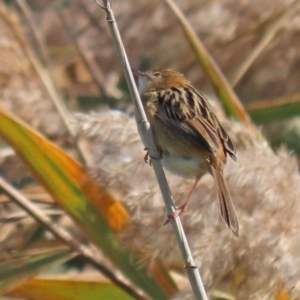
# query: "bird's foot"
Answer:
x=148 y=158
x=178 y=211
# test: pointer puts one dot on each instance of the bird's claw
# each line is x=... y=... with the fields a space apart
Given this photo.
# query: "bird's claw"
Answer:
x=148 y=158
x=178 y=211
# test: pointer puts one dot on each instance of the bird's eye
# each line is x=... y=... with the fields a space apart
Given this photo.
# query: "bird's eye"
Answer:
x=157 y=74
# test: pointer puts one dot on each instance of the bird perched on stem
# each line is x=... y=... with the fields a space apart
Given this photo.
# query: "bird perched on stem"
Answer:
x=187 y=133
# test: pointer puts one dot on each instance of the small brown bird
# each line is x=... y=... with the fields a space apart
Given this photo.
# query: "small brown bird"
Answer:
x=187 y=133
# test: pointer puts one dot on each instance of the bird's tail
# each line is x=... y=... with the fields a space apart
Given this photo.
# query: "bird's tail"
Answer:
x=227 y=209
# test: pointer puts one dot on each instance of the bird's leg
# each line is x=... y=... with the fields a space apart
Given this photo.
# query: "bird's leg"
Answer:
x=148 y=158
x=179 y=210
x=183 y=207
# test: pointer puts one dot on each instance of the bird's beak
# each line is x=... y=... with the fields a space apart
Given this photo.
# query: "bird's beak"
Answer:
x=138 y=73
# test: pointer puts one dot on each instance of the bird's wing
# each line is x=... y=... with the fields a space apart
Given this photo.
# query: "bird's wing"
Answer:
x=189 y=112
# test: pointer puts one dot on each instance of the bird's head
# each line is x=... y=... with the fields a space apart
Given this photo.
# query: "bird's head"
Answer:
x=160 y=79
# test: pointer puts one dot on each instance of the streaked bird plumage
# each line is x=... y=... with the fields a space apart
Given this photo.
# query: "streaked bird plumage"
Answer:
x=187 y=133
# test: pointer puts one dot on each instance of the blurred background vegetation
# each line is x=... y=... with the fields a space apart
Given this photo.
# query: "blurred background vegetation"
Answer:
x=74 y=41
x=65 y=48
